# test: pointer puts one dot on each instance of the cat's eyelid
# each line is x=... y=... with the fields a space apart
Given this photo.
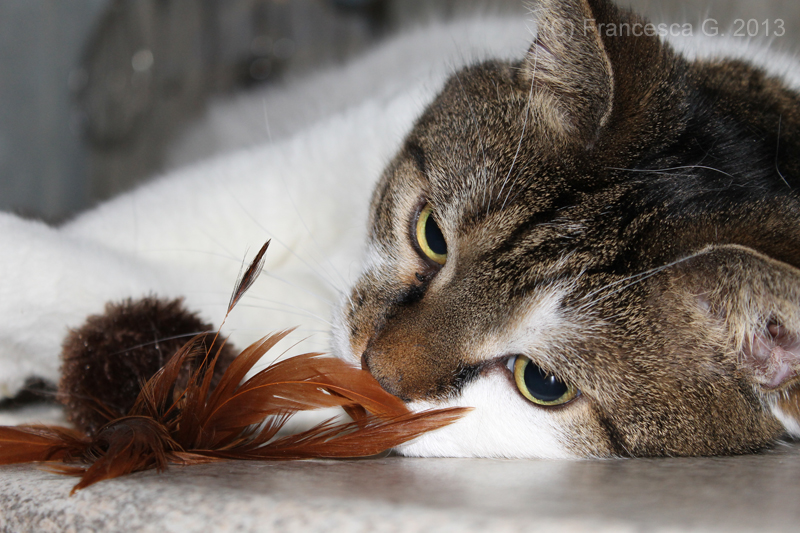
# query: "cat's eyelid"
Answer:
x=511 y=360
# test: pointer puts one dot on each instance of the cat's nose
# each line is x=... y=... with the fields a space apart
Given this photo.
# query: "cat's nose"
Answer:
x=413 y=360
x=387 y=383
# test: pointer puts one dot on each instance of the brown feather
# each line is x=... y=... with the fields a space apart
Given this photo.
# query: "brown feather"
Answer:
x=33 y=443
x=249 y=277
x=130 y=444
x=199 y=422
x=107 y=359
x=232 y=422
x=355 y=439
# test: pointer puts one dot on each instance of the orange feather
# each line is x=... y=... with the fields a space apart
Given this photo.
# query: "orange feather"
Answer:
x=236 y=419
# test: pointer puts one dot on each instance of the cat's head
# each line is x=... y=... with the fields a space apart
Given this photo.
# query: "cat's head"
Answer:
x=595 y=247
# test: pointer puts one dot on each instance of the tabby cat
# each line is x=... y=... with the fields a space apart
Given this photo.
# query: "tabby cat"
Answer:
x=594 y=244
x=596 y=247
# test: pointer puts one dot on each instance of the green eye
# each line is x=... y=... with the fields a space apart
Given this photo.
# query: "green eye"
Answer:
x=538 y=386
x=429 y=236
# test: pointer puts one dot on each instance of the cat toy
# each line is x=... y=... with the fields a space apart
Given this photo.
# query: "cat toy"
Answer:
x=136 y=408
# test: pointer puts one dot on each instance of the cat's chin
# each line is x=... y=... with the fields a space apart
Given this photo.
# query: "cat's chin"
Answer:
x=501 y=425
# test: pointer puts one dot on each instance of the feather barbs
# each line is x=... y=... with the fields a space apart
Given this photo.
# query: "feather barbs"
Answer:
x=234 y=421
x=175 y=424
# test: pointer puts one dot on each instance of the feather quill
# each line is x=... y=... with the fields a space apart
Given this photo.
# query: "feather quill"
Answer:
x=236 y=419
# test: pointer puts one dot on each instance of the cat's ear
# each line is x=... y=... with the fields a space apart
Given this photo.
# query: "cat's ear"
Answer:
x=758 y=301
x=567 y=71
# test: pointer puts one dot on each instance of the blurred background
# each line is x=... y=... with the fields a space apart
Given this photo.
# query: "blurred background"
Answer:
x=93 y=92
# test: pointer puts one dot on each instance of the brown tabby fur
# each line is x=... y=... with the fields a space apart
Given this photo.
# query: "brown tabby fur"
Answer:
x=657 y=195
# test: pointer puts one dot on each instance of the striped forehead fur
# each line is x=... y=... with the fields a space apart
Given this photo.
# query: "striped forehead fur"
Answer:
x=614 y=212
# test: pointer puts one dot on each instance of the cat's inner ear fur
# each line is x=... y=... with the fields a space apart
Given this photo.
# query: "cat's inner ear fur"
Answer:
x=567 y=72
x=758 y=301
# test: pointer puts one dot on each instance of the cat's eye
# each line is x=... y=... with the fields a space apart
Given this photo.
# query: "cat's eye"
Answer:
x=538 y=386
x=429 y=236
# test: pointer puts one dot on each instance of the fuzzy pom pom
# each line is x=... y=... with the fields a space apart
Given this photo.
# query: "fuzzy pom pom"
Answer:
x=106 y=361
x=191 y=410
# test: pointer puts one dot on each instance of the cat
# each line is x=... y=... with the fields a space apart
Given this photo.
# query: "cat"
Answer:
x=592 y=244
x=595 y=247
x=187 y=232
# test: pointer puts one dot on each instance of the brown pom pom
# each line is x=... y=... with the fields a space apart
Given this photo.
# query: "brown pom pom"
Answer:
x=106 y=361
x=198 y=421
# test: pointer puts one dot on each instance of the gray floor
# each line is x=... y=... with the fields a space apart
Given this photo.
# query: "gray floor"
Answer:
x=748 y=493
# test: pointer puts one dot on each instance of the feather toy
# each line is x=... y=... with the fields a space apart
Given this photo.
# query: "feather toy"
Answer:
x=194 y=410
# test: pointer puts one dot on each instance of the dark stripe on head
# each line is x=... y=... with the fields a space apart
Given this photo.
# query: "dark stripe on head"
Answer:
x=417 y=154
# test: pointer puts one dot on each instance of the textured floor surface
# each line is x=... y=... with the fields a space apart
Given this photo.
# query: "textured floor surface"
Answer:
x=748 y=493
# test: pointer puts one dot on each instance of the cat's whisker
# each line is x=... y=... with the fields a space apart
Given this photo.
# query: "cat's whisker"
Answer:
x=259 y=332
x=533 y=8
x=299 y=287
x=310 y=234
x=238 y=260
x=296 y=313
x=778 y=151
x=262 y=364
x=319 y=273
x=294 y=204
x=666 y=170
x=521 y=137
x=670 y=172
x=485 y=167
x=218 y=243
x=266 y=119
x=289 y=249
x=532 y=11
x=300 y=310
x=634 y=279
x=455 y=67
x=160 y=339
x=284 y=304
x=512 y=199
